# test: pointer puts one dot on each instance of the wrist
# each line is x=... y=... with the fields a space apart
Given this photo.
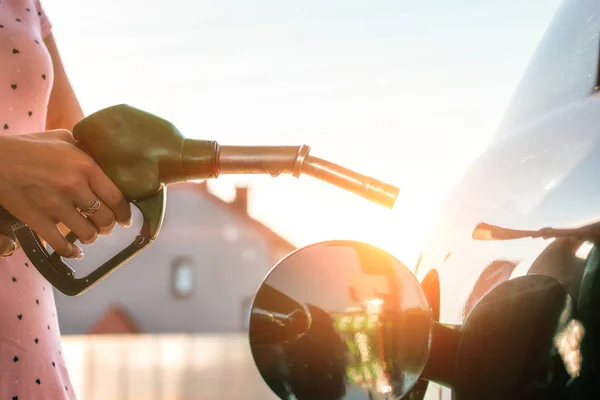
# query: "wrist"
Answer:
x=6 y=151
x=12 y=157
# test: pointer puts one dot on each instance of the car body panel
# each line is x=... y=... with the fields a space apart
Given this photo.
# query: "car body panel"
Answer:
x=523 y=182
x=541 y=169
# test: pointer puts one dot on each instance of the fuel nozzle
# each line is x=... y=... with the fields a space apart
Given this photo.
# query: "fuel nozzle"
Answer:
x=143 y=154
x=202 y=159
x=268 y=327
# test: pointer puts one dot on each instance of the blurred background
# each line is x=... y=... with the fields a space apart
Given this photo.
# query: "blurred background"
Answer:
x=408 y=92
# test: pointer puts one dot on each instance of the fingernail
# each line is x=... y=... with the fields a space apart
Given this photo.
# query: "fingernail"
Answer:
x=78 y=253
x=128 y=223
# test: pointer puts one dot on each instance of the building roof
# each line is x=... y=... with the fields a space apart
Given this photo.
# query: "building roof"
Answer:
x=115 y=320
x=258 y=226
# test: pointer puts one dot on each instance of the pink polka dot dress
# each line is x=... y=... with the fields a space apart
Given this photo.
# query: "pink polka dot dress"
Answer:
x=31 y=362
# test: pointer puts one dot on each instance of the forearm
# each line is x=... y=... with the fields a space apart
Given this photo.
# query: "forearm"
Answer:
x=64 y=110
x=64 y=114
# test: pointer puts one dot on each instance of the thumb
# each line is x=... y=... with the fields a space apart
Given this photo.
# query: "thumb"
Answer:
x=7 y=246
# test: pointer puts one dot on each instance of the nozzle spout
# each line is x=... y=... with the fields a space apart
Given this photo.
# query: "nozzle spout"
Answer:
x=295 y=160
x=204 y=159
x=368 y=188
x=272 y=160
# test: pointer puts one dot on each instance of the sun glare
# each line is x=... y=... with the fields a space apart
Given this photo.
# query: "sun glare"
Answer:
x=307 y=211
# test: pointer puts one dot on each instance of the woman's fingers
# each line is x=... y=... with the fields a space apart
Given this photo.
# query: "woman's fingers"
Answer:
x=109 y=194
x=85 y=230
x=49 y=231
x=7 y=246
x=97 y=212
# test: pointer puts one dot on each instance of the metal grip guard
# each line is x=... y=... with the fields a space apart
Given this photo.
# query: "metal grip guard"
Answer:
x=62 y=276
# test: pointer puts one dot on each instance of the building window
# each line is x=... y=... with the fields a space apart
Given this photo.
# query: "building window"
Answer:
x=182 y=278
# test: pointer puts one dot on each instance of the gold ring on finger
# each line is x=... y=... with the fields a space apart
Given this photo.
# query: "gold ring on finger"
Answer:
x=91 y=210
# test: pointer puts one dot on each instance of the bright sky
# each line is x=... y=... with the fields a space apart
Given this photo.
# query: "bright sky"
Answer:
x=408 y=92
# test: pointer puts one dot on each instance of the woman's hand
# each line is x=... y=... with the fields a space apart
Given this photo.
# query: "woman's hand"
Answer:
x=45 y=179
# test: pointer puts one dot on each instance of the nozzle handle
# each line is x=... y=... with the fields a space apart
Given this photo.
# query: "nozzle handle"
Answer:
x=62 y=276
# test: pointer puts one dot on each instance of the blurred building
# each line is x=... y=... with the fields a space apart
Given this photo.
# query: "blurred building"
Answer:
x=199 y=276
